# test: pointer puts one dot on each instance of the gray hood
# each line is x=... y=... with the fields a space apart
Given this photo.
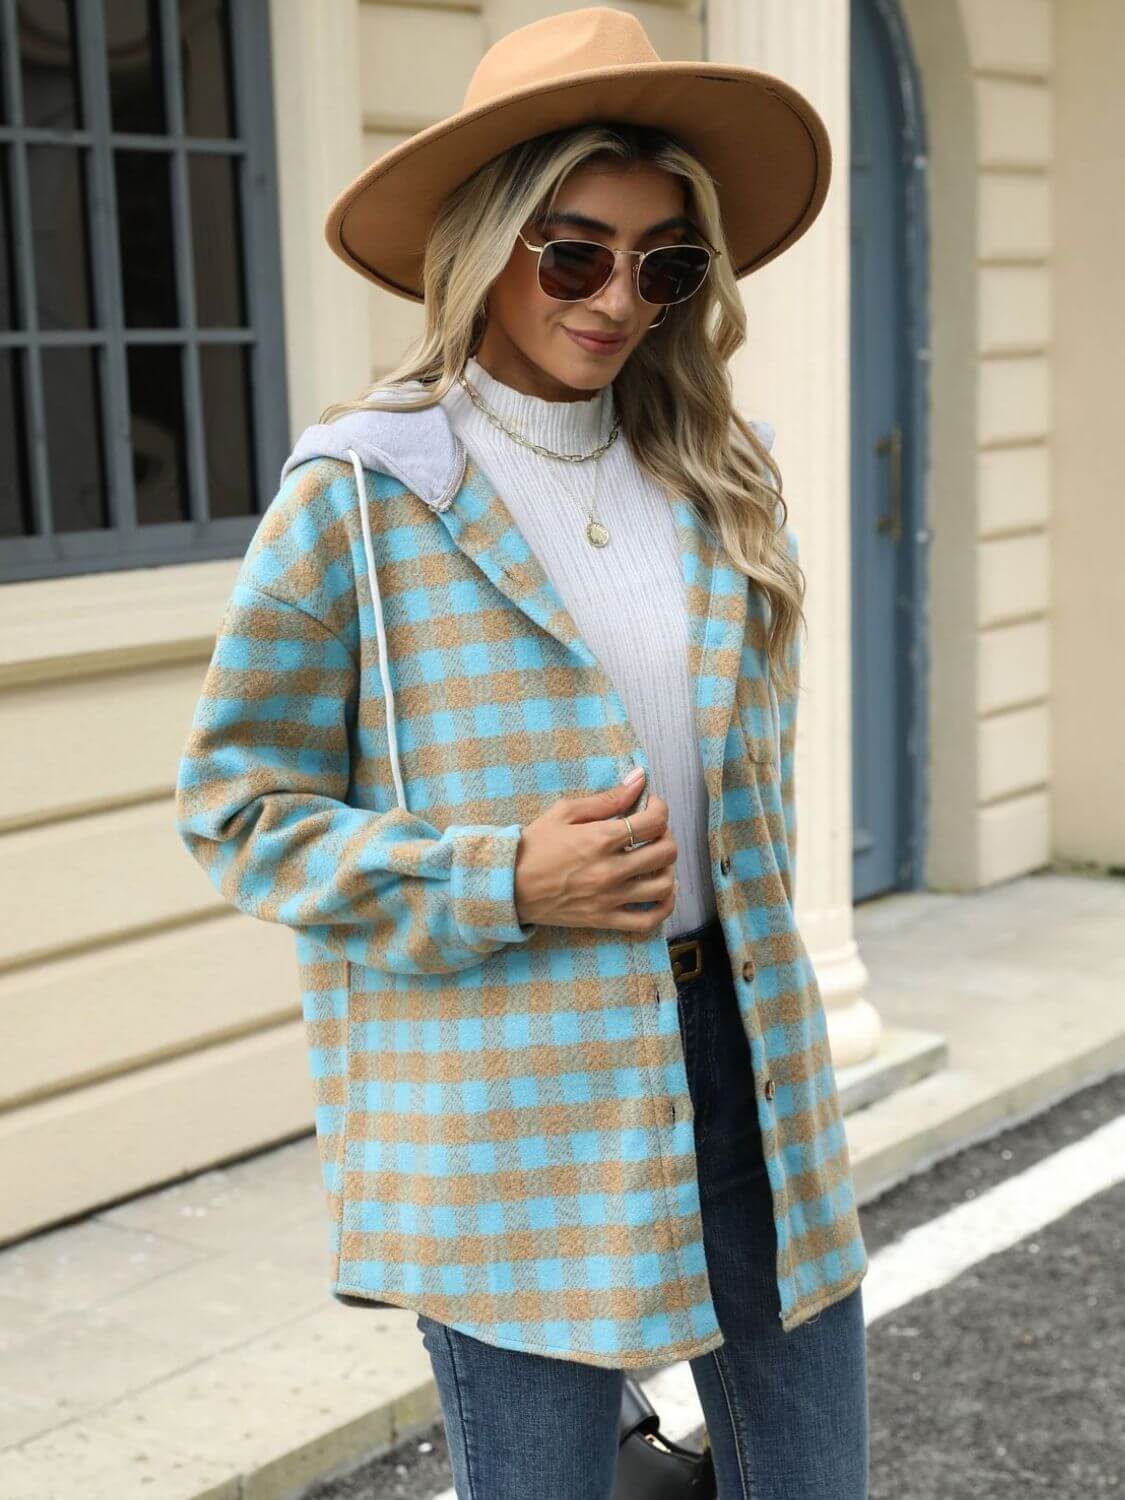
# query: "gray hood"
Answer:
x=419 y=448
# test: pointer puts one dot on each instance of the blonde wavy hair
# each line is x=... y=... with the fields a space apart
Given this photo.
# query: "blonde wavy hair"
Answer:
x=673 y=395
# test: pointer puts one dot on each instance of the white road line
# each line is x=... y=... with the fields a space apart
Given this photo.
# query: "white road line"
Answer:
x=930 y=1255
x=934 y=1253
x=672 y=1391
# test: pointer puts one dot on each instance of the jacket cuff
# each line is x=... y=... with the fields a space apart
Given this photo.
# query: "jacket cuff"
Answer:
x=483 y=885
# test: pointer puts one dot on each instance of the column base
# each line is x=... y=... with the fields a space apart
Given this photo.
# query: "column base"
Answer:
x=854 y=1027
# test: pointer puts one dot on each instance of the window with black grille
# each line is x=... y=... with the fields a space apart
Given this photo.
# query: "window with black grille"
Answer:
x=142 y=396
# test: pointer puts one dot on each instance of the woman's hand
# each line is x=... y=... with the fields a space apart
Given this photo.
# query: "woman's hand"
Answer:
x=572 y=869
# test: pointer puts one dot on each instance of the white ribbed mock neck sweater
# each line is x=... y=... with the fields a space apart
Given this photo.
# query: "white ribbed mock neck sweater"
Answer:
x=626 y=599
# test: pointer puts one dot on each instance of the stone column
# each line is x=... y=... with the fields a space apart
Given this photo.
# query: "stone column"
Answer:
x=319 y=129
x=794 y=371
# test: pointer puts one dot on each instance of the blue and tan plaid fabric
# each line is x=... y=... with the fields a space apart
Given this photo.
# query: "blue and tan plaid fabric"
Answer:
x=502 y=1109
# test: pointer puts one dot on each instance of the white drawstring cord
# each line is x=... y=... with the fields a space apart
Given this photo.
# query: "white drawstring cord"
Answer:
x=380 y=629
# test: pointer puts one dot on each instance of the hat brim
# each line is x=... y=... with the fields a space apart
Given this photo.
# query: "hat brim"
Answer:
x=763 y=143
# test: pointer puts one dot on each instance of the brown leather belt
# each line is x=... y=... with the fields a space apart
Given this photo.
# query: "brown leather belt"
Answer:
x=691 y=956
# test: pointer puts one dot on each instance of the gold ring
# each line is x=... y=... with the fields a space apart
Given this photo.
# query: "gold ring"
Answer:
x=632 y=844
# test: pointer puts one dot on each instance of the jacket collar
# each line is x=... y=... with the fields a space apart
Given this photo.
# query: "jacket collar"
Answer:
x=715 y=593
x=420 y=449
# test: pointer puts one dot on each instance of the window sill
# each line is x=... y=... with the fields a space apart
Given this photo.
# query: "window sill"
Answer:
x=105 y=622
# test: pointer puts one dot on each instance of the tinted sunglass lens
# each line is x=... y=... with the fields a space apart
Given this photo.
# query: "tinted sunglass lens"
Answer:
x=572 y=270
x=671 y=274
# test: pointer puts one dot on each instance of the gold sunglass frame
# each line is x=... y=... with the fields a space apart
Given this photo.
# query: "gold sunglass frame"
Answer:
x=569 y=239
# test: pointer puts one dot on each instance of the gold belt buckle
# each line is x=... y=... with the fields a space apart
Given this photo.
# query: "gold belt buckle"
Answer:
x=682 y=973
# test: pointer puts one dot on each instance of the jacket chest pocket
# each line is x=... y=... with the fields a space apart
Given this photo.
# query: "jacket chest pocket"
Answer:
x=756 y=700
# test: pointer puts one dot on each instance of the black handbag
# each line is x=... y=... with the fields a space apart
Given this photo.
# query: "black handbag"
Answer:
x=651 y=1466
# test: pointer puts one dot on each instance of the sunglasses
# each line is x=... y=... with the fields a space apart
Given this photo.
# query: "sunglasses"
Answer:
x=572 y=270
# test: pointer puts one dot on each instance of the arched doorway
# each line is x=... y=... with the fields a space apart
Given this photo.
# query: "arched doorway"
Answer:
x=889 y=354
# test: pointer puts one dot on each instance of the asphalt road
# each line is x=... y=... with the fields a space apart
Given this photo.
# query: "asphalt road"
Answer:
x=1008 y=1381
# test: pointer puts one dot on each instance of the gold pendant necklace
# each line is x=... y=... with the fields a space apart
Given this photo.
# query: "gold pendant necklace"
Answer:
x=597 y=532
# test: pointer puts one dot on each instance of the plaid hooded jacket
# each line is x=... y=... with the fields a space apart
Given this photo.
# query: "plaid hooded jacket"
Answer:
x=503 y=1116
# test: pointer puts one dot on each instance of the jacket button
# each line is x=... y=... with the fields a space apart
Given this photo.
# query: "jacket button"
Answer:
x=724 y=864
x=748 y=969
x=771 y=1088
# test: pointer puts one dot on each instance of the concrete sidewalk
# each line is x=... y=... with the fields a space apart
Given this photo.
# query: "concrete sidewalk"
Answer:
x=183 y=1345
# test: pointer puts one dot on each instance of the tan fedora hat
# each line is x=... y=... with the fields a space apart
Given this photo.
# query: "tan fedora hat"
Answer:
x=763 y=142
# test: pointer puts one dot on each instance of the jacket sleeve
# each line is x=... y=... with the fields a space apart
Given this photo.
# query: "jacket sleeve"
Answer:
x=787 y=726
x=262 y=795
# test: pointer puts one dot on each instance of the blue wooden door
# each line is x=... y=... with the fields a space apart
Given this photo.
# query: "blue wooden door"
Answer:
x=884 y=606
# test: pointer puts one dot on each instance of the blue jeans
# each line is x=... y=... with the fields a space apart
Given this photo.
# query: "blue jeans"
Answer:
x=786 y=1413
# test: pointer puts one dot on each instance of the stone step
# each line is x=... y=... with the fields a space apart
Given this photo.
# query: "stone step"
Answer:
x=904 y=1056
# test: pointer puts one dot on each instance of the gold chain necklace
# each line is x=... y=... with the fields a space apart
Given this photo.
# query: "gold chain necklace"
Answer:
x=597 y=533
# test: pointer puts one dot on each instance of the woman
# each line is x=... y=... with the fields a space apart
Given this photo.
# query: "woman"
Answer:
x=576 y=1105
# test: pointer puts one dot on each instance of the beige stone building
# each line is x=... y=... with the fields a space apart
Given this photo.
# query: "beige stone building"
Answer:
x=941 y=356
